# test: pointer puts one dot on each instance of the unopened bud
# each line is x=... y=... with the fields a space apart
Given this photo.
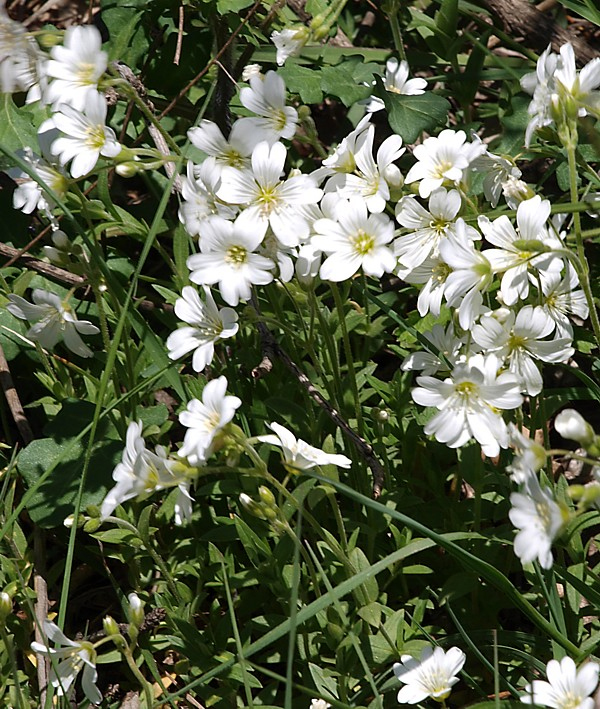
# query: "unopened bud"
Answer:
x=571 y=424
x=251 y=506
x=92 y=525
x=70 y=521
x=534 y=245
x=110 y=626
x=136 y=610
x=93 y=511
x=267 y=496
x=5 y=606
x=127 y=169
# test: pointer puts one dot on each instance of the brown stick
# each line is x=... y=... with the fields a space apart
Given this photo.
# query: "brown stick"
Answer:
x=47 y=269
x=524 y=20
x=271 y=347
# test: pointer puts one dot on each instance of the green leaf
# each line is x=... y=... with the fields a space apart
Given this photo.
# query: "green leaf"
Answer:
x=359 y=560
x=587 y=8
x=339 y=81
x=54 y=498
x=302 y=81
x=225 y=6
x=19 y=125
x=409 y=116
x=446 y=18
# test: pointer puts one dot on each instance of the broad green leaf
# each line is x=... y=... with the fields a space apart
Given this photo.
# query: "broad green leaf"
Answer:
x=409 y=116
x=586 y=8
x=54 y=499
x=446 y=18
x=225 y=6
x=305 y=82
x=18 y=127
x=339 y=81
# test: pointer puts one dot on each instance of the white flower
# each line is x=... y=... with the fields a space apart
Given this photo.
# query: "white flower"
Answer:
x=355 y=240
x=234 y=151
x=72 y=656
x=470 y=402
x=433 y=675
x=205 y=419
x=54 y=320
x=444 y=343
x=519 y=339
x=530 y=456
x=299 y=455
x=208 y=325
x=199 y=192
x=559 y=299
x=471 y=274
x=373 y=179
x=319 y=704
x=76 y=68
x=396 y=80
x=573 y=86
x=86 y=135
x=539 y=520
x=269 y=200
x=571 y=424
x=141 y=471
x=266 y=97
x=498 y=170
x=343 y=158
x=289 y=42
x=440 y=159
x=567 y=687
x=228 y=258
x=428 y=227
x=433 y=273
x=19 y=57
x=513 y=257
x=541 y=85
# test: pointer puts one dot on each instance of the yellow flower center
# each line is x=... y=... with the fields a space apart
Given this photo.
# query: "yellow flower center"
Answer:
x=236 y=255
x=362 y=242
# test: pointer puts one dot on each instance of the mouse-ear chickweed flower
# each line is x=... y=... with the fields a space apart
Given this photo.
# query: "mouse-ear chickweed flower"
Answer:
x=54 y=320
x=72 y=657
x=566 y=688
x=433 y=675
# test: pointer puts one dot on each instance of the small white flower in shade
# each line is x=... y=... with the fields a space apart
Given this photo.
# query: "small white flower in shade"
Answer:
x=516 y=191
x=471 y=275
x=373 y=179
x=19 y=58
x=289 y=42
x=205 y=419
x=54 y=320
x=266 y=97
x=571 y=425
x=539 y=520
x=209 y=324
x=518 y=339
x=234 y=151
x=343 y=158
x=530 y=456
x=29 y=194
x=319 y=704
x=396 y=81
x=199 y=193
x=141 y=472
x=72 y=656
x=433 y=675
x=267 y=200
x=428 y=228
x=432 y=273
x=299 y=455
x=540 y=84
x=86 y=136
x=566 y=688
x=513 y=257
x=470 y=402
x=75 y=68
x=442 y=159
x=497 y=170
x=446 y=348
x=560 y=299
x=356 y=239
x=228 y=258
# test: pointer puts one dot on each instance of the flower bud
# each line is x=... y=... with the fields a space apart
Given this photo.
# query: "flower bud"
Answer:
x=136 y=610
x=110 y=626
x=251 y=506
x=267 y=496
x=571 y=424
x=5 y=606
x=92 y=525
x=127 y=169
x=93 y=511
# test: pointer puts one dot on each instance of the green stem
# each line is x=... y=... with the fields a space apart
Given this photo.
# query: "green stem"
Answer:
x=396 y=31
x=349 y=358
x=571 y=144
x=138 y=675
x=7 y=641
x=153 y=553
